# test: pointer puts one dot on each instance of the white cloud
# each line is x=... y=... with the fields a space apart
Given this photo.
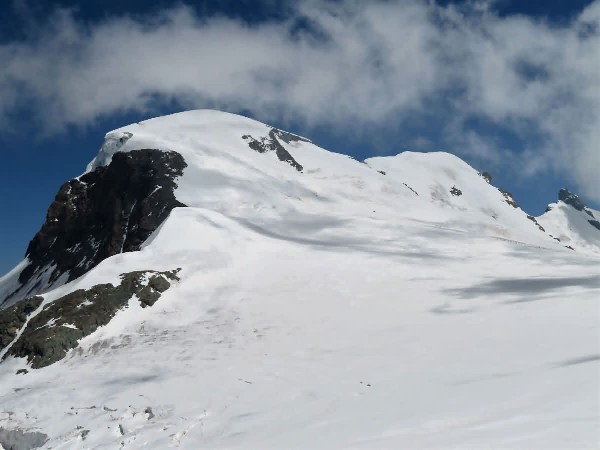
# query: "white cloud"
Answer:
x=357 y=64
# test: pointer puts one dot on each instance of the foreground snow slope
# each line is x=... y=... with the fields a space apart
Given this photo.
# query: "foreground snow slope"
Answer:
x=417 y=337
x=329 y=308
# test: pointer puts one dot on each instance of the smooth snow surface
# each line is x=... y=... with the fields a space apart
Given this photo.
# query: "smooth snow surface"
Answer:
x=334 y=308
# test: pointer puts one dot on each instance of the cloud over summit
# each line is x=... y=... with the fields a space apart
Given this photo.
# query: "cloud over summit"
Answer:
x=339 y=64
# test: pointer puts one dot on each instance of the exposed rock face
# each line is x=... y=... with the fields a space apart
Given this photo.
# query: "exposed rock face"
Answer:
x=571 y=199
x=455 y=191
x=415 y=192
x=534 y=220
x=59 y=326
x=111 y=210
x=486 y=176
x=595 y=224
x=13 y=319
x=508 y=198
x=271 y=143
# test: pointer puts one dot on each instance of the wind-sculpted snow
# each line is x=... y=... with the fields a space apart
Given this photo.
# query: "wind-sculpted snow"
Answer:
x=112 y=144
x=522 y=287
x=362 y=334
x=347 y=305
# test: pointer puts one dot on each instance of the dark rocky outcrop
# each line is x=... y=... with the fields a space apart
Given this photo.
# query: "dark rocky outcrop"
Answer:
x=111 y=210
x=564 y=195
x=573 y=200
x=534 y=220
x=486 y=176
x=455 y=191
x=595 y=224
x=271 y=143
x=12 y=319
x=415 y=192
x=59 y=326
x=508 y=198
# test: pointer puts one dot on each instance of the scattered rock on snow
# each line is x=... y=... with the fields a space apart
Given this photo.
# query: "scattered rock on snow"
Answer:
x=270 y=143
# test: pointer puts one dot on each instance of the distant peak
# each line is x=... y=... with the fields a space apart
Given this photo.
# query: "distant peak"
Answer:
x=571 y=199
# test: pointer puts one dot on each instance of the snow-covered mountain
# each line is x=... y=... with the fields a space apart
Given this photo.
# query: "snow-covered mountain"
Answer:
x=213 y=282
x=572 y=223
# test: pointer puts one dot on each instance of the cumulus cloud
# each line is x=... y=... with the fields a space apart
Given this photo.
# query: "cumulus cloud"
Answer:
x=345 y=64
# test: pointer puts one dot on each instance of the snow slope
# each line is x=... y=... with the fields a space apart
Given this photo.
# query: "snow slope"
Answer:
x=337 y=307
x=224 y=175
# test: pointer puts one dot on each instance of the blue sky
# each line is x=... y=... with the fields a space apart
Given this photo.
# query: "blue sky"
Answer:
x=509 y=86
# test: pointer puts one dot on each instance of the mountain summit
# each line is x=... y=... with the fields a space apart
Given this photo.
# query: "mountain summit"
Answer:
x=233 y=165
x=571 y=222
x=212 y=281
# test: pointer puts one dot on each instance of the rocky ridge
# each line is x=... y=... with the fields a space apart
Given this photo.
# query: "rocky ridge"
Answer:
x=46 y=336
x=110 y=210
x=573 y=200
x=271 y=143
